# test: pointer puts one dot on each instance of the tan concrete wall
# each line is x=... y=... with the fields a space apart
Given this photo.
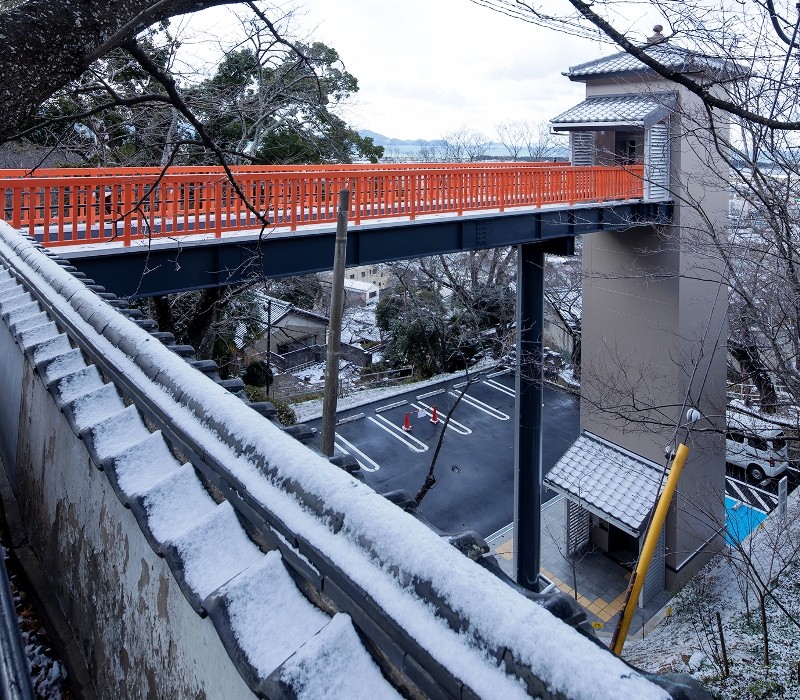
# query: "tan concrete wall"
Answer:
x=649 y=299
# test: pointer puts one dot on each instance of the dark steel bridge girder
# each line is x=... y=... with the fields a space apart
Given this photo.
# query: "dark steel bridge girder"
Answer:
x=165 y=269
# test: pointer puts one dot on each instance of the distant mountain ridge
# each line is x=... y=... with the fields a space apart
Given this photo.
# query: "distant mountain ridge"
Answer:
x=385 y=141
x=407 y=148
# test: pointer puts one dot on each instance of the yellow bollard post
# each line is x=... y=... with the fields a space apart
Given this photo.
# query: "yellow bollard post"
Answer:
x=653 y=533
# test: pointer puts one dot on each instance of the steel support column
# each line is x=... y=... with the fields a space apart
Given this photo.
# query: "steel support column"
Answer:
x=528 y=424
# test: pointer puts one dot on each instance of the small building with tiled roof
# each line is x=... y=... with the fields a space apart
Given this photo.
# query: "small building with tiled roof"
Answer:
x=648 y=294
x=284 y=327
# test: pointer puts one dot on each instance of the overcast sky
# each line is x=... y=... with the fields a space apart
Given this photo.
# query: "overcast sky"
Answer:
x=428 y=67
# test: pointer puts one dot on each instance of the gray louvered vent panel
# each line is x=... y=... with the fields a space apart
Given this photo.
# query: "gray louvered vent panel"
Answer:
x=578 y=526
x=657 y=163
x=582 y=145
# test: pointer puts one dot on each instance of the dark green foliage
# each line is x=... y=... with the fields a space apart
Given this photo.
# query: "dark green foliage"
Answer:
x=437 y=334
x=422 y=333
x=258 y=373
x=492 y=306
x=127 y=135
x=265 y=105
x=286 y=414
x=277 y=108
x=303 y=291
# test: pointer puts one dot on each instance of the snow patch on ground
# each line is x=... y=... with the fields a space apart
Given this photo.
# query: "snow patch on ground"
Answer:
x=310 y=410
x=315 y=374
x=688 y=640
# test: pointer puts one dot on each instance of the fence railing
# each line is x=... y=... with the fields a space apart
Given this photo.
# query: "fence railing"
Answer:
x=83 y=206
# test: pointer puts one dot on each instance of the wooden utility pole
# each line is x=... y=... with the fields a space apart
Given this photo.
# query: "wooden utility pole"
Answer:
x=335 y=328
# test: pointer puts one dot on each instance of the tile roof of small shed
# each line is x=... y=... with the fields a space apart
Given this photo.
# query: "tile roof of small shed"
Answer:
x=613 y=483
x=633 y=110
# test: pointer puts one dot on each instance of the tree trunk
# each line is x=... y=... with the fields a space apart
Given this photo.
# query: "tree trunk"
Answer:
x=163 y=314
x=576 y=353
x=762 y=604
x=202 y=318
x=750 y=361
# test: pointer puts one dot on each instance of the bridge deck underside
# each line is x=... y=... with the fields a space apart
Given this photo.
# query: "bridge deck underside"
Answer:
x=176 y=264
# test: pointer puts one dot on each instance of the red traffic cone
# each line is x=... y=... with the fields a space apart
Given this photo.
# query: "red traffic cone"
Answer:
x=407 y=424
x=435 y=416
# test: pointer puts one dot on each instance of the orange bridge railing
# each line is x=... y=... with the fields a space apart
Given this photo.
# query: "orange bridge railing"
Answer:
x=79 y=206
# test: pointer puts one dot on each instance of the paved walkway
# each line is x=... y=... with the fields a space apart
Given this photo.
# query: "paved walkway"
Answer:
x=596 y=581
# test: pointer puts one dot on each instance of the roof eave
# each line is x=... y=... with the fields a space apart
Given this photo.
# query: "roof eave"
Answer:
x=598 y=126
x=586 y=77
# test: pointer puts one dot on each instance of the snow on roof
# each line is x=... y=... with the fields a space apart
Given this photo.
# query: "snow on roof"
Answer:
x=267 y=315
x=359 y=286
x=615 y=484
x=281 y=309
x=748 y=421
x=632 y=110
x=379 y=546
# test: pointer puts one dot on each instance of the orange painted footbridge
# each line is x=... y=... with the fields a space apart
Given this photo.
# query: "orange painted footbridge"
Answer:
x=67 y=207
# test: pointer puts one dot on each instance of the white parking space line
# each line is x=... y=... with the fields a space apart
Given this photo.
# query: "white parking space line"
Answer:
x=497 y=535
x=753 y=491
x=460 y=428
x=430 y=393
x=500 y=387
x=353 y=450
x=738 y=492
x=391 y=405
x=492 y=375
x=485 y=407
x=409 y=440
x=733 y=479
x=765 y=506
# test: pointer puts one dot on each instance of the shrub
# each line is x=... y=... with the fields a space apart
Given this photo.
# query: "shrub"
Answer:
x=258 y=373
x=286 y=414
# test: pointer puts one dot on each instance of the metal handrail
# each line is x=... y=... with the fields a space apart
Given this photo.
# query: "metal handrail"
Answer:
x=15 y=675
x=89 y=207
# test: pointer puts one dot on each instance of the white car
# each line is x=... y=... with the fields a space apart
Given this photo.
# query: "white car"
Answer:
x=756 y=446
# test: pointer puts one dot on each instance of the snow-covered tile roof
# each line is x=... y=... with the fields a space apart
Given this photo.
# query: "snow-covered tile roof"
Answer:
x=613 y=483
x=440 y=621
x=673 y=57
x=280 y=309
x=633 y=110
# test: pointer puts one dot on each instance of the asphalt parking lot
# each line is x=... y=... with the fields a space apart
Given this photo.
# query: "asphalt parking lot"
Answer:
x=475 y=467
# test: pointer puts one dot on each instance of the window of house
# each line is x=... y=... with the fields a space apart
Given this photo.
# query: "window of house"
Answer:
x=758 y=443
x=352 y=277
x=363 y=273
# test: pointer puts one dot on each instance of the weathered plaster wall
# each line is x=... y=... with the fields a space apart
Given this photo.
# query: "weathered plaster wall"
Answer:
x=140 y=637
x=10 y=397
